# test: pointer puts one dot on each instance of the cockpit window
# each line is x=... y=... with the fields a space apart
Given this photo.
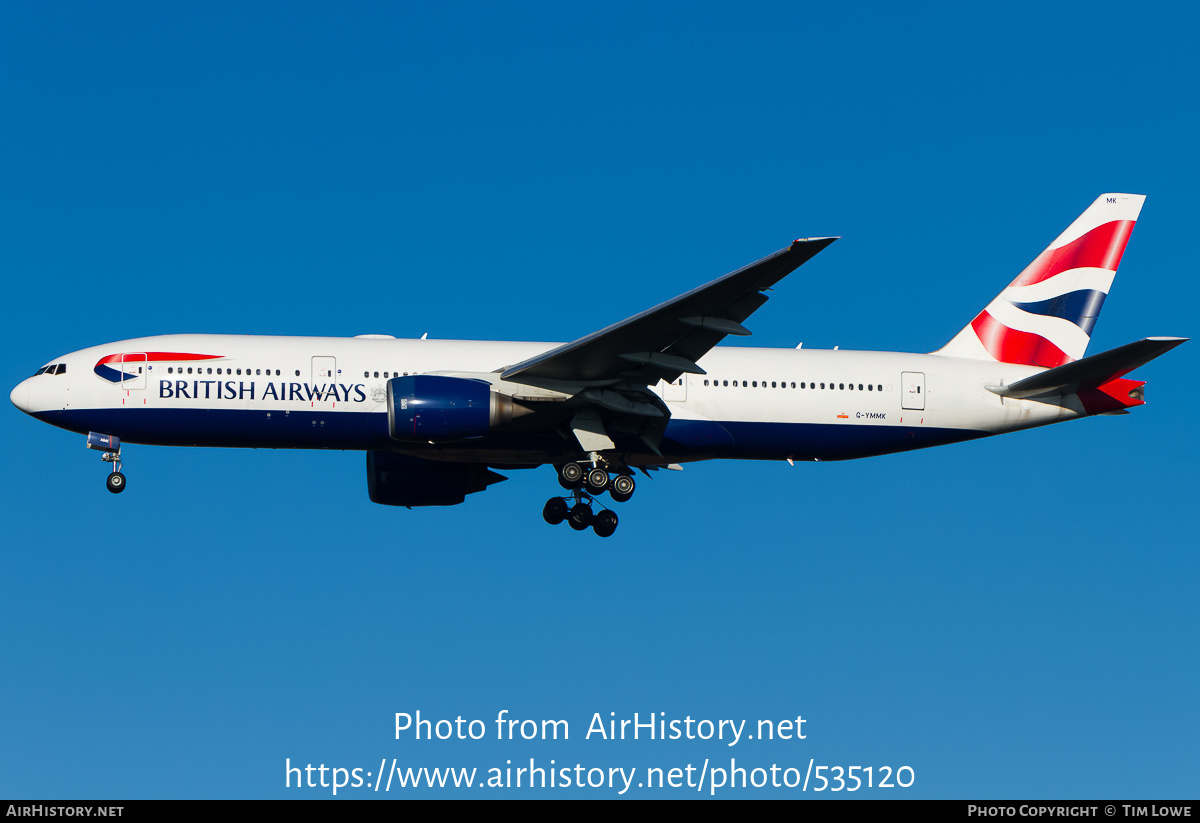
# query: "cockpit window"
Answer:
x=62 y=368
x=40 y=371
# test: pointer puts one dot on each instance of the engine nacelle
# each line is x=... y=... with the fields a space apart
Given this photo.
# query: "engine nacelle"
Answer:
x=430 y=407
x=400 y=480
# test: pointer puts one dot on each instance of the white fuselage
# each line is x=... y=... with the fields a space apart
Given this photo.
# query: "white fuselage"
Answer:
x=319 y=392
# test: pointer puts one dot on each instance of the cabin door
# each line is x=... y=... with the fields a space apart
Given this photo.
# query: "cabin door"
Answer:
x=133 y=366
x=676 y=391
x=324 y=381
x=912 y=384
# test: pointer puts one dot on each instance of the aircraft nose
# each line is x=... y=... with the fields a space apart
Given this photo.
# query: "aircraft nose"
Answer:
x=20 y=396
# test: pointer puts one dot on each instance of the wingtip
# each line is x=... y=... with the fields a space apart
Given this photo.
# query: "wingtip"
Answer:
x=805 y=241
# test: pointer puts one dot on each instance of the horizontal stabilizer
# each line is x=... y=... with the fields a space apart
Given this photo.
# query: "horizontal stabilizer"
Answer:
x=1090 y=372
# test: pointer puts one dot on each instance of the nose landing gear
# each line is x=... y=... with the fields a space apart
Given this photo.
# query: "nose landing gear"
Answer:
x=111 y=446
x=115 y=482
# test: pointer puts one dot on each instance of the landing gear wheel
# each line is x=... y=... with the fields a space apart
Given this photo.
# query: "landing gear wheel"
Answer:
x=115 y=482
x=622 y=488
x=570 y=476
x=580 y=516
x=555 y=511
x=605 y=523
x=597 y=480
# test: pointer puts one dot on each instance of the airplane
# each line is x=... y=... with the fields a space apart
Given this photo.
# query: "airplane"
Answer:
x=439 y=418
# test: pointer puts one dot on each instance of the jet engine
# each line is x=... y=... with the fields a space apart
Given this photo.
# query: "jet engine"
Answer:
x=425 y=408
x=400 y=480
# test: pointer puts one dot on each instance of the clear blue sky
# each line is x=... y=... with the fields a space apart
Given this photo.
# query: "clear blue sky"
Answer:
x=1014 y=617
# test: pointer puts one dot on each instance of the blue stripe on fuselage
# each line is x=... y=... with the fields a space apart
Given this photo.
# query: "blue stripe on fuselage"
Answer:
x=230 y=427
x=684 y=439
x=807 y=441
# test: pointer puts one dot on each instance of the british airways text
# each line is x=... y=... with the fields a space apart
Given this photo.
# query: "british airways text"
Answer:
x=231 y=390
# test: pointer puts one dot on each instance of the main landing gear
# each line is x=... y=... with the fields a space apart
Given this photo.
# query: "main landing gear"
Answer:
x=585 y=486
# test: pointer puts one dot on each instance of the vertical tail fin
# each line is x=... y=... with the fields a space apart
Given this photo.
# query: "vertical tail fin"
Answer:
x=1045 y=316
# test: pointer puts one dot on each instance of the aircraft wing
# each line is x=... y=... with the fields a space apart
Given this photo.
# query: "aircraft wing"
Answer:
x=663 y=342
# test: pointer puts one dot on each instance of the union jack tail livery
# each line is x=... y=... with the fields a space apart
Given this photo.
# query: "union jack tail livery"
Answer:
x=1045 y=317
